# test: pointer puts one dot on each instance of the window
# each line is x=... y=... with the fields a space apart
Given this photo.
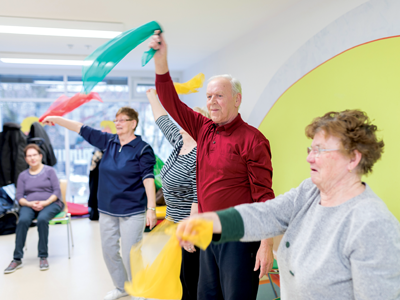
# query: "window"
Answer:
x=31 y=86
x=16 y=112
x=111 y=88
x=23 y=96
x=141 y=88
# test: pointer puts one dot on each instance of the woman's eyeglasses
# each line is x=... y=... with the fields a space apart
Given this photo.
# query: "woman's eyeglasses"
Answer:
x=122 y=120
x=316 y=151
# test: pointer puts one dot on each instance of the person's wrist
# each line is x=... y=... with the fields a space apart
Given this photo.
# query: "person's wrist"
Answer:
x=151 y=209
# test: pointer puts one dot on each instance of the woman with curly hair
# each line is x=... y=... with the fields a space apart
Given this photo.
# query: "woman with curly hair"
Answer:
x=340 y=240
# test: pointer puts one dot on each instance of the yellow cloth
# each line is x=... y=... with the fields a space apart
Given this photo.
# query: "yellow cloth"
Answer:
x=27 y=123
x=203 y=230
x=156 y=261
x=108 y=126
x=191 y=86
x=161 y=212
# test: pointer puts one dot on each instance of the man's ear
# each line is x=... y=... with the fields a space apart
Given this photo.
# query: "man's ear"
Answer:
x=238 y=99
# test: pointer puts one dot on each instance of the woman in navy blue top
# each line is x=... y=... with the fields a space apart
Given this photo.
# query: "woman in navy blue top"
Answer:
x=126 y=190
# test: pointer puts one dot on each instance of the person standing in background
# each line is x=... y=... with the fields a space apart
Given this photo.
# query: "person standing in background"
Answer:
x=126 y=194
x=233 y=167
x=179 y=187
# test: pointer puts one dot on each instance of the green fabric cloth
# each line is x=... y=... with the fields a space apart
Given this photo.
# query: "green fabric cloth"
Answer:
x=157 y=169
x=232 y=225
x=107 y=56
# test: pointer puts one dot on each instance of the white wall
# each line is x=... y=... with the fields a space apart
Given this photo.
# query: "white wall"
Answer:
x=255 y=57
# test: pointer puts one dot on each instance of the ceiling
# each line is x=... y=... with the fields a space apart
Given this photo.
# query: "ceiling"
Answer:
x=193 y=29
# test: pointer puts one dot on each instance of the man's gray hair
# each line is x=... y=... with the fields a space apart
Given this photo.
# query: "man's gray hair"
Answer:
x=236 y=86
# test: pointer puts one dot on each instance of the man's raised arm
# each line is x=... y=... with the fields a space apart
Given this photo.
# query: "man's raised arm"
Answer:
x=189 y=120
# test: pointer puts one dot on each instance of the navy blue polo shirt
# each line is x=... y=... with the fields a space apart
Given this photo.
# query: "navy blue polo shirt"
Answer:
x=122 y=170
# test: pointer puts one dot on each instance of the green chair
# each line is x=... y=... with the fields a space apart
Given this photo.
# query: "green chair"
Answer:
x=63 y=217
x=274 y=271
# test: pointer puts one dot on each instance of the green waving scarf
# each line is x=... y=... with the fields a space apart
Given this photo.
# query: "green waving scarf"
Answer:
x=107 y=56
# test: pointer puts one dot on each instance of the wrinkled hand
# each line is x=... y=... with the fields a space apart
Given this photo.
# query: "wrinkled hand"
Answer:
x=158 y=43
x=151 y=218
x=264 y=260
x=189 y=248
x=49 y=121
x=151 y=94
x=37 y=205
x=185 y=228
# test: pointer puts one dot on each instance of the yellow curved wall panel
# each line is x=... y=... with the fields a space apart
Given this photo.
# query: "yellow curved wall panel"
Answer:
x=365 y=77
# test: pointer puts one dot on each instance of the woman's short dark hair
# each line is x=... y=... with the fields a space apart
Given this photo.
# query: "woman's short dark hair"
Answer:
x=355 y=131
x=32 y=146
x=130 y=113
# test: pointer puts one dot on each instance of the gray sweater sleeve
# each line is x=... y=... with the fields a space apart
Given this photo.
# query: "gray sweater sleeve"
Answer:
x=268 y=219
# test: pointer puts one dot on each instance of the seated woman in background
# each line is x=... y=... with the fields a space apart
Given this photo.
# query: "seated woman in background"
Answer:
x=39 y=194
x=340 y=240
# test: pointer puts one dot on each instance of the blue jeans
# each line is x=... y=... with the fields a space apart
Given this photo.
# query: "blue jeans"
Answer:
x=26 y=216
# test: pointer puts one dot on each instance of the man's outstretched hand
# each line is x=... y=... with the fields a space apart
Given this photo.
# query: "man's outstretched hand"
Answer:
x=157 y=42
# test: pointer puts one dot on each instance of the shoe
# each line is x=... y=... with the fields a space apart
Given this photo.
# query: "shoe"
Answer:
x=14 y=265
x=115 y=294
x=44 y=264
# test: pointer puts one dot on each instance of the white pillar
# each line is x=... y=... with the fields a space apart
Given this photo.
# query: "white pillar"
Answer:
x=67 y=163
x=66 y=141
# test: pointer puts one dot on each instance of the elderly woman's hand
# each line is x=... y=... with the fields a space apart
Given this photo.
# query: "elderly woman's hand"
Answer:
x=151 y=218
x=186 y=228
x=189 y=248
x=49 y=120
x=37 y=205
x=151 y=94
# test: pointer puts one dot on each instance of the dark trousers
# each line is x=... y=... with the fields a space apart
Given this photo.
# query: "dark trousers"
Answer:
x=26 y=216
x=190 y=274
x=226 y=272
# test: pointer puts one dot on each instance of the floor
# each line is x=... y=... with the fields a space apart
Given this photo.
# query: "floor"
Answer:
x=82 y=277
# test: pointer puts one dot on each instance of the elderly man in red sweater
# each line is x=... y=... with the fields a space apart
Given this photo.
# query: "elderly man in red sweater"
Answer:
x=233 y=167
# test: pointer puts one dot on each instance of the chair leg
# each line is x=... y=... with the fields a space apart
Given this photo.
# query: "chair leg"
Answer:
x=69 y=255
x=272 y=285
x=70 y=228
